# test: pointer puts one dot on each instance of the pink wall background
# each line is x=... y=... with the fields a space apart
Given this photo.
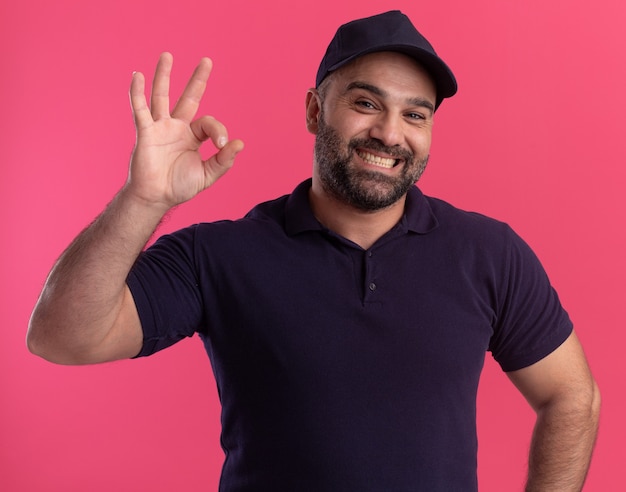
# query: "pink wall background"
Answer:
x=534 y=137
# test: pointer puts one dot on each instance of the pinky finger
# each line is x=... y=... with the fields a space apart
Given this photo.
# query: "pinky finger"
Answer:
x=138 y=103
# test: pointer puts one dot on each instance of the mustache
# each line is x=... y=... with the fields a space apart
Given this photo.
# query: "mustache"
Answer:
x=377 y=145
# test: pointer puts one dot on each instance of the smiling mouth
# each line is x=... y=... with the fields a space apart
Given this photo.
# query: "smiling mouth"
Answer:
x=378 y=161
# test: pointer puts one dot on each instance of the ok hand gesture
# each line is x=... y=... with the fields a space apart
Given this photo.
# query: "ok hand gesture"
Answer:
x=166 y=166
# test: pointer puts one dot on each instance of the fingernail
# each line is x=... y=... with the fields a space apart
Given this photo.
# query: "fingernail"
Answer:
x=222 y=141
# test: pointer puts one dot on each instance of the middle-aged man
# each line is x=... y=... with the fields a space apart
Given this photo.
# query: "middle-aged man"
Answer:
x=347 y=322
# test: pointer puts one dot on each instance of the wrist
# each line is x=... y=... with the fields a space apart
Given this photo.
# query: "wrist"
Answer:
x=136 y=205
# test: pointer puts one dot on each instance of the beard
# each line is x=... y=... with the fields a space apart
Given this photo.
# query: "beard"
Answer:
x=364 y=189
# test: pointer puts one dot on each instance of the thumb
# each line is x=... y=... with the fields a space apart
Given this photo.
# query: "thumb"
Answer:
x=218 y=164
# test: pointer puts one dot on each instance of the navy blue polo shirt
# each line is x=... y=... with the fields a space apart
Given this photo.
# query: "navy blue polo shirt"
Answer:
x=344 y=369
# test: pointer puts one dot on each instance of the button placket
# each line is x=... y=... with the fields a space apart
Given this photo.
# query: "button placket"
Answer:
x=370 y=279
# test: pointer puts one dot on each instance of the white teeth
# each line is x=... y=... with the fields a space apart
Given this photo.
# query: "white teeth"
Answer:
x=376 y=160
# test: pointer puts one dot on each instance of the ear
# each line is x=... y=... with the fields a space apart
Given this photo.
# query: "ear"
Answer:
x=313 y=109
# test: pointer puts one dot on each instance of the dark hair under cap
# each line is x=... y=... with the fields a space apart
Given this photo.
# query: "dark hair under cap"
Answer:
x=390 y=31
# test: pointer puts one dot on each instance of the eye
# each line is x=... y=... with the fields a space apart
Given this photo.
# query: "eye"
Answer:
x=364 y=103
x=415 y=116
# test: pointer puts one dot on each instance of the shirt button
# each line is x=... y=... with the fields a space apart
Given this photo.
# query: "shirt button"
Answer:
x=372 y=286
x=369 y=253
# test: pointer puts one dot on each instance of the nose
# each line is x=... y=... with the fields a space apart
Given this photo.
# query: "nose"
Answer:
x=388 y=129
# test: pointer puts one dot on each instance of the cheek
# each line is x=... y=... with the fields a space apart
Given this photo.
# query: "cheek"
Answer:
x=349 y=125
x=420 y=144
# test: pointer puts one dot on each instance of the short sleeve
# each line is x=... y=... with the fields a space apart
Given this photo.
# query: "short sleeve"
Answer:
x=531 y=322
x=166 y=292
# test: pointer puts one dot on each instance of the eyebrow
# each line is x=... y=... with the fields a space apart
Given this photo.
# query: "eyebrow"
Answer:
x=413 y=101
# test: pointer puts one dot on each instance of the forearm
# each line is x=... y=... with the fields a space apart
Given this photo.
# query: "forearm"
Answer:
x=562 y=444
x=84 y=293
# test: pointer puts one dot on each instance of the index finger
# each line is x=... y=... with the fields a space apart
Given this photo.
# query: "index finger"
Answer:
x=189 y=101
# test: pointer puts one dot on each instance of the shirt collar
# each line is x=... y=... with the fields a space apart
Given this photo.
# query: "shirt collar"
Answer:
x=418 y=215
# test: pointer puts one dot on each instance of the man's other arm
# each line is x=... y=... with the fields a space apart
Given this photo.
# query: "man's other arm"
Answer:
x=566 y=399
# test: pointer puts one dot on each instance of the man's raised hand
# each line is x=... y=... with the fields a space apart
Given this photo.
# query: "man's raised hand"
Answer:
x=166 y=167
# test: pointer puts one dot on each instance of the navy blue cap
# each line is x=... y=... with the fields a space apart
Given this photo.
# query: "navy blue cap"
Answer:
x=390 y=31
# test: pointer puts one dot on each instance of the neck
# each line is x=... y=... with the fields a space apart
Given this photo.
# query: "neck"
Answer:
x=360 y=227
